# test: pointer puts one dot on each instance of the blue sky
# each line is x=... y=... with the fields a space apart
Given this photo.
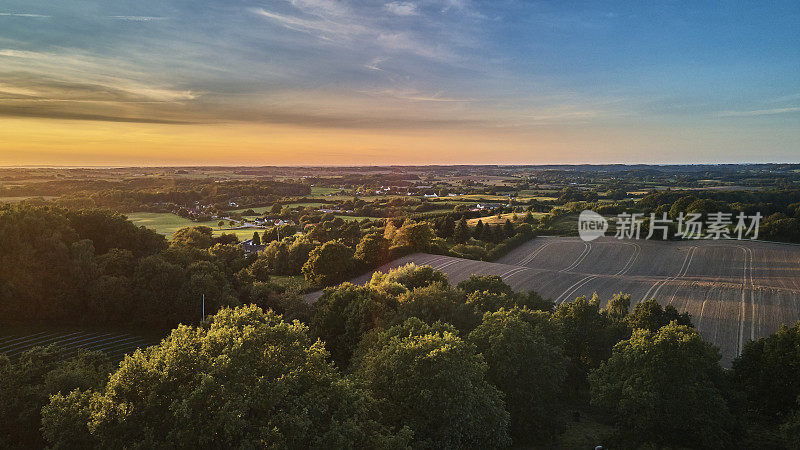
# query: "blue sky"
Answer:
x=546 y=81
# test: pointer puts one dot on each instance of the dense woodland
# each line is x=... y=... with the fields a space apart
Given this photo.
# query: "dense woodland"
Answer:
x=405 y=361
x=65 y=264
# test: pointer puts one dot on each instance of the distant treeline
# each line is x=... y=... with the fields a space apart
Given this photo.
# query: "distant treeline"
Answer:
x=138 y=194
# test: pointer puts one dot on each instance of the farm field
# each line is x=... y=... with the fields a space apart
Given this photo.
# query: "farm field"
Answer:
x=351 y=218
x=494 y=220
x=115 y=344
x=19 y=199
x=736 y=291
x=168 y=223
x=164 y=223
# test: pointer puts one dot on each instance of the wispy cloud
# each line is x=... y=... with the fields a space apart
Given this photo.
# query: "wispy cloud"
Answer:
x=375 y=64
x=28 y=111
x=418 y=96
x=402 y=8
x=324 y=28
x=375 y=28
x=8 y=14
x=138 y=18
x=78 y=86
x=760 y=112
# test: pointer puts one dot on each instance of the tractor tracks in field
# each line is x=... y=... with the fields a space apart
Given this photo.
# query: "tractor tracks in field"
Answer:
x=747 y=286
x=637 y=250
x=656 y=287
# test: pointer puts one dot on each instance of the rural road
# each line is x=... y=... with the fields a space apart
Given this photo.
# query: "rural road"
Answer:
x=736 y=291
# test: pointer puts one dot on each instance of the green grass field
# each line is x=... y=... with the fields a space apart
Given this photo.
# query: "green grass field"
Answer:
x=493 y=220
x=320 y=190
x=164 y=223
x=259 y=210
x=168 y=223
x=498 y=198
x=358 y=218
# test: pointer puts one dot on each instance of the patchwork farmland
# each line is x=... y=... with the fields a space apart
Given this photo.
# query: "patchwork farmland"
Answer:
x=735 y=290
x=115 y=345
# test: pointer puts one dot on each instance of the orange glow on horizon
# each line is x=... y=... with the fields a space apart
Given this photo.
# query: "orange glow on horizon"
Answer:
x=25 y=141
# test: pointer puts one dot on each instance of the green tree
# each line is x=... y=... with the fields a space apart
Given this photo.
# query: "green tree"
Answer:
x=372 y=250
x=343 y=314
x=790 y=430
x=478 y=232
x=410 y=276
x=649 y=315
x=461 y=232
x=681 y=205
x=528 y=218
x=415 y=236
x=448 y=226
x=482 y=302
x=618 y=307
x=767 y=373
x=229 y=258
x=527 y=367
x=261 y=268
x=288 y=301
x=329 y=263
x=27 y=383
x=508 y=228
x=534 y=301
x=197 y=237
x=297 y=255
x=108 y=229
x=426 y=377
x=275 y=258
x=665 y=388
x=434 y=303
x=485 y=283
x=487 y=234
x=589 y=337
x=256 y=238
x=244 y=379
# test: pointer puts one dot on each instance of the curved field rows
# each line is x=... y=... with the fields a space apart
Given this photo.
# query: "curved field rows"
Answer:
x=735 y=291
x=115 y=345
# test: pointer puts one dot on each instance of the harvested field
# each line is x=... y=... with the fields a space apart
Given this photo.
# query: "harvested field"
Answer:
x=115 y=345
x=735 y=290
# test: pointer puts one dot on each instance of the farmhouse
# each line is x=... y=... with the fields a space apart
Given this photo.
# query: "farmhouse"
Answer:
x=249 y=247
x=485 y=206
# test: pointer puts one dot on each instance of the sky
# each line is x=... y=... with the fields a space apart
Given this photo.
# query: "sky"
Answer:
x=361 y=82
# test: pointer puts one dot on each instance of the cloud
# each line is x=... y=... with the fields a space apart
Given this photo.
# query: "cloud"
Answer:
x=375 y=64
x=78 y=86
x=138 y=18
x=760 y=112
x=326 y=29
x=28 y=111
x=402 y=8
x=376 y=29
x=40 y=16
x=304 y=118
x=417 y=96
